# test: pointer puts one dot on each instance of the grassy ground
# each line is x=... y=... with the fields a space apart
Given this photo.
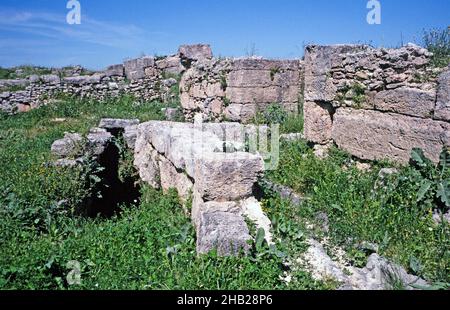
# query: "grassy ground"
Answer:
x=10 y=73
x=390 y=216
x=150 y=246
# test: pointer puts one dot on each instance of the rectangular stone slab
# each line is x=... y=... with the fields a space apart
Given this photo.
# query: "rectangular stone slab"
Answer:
x=375 y=135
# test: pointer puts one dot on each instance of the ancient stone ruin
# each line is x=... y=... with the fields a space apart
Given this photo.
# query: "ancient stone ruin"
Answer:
x=236 y=89
x=374 y=103
x=208 y=165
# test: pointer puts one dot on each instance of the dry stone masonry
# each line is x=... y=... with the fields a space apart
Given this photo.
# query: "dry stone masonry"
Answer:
x=237 y=89
x=207 y=164
x=146 y=78
x=376 y=103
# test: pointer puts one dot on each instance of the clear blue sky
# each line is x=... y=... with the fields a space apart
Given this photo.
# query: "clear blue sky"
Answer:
x=36 y=32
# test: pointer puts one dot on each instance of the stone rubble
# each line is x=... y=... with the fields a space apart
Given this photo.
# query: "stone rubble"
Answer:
x=378 y=274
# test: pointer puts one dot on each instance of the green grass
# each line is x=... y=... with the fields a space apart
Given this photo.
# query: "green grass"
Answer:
x=390 y=216
x=12 y=88
x=150 y=246
x=6 y=73
x=27 y=70
x=275 y=114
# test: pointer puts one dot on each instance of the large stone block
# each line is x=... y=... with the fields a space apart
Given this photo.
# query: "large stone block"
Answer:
x=408 y=101
x=135 y=68
x=241 y=112
x=319 y=88
x=115 y=70
x=263 y=78
x=173 y=179
x=51 y=79
x=255 y=63
x=249 y=78
x=442 y=111
x=117 y=124
x=263 y=95
x=227 y=177
x=146 y=161
x=70 y=146
x=223 y=231
x=189 y=53
x=375 y=135
x=199 y=207
x=98 y=140
x=170 y=64
x=318 y=122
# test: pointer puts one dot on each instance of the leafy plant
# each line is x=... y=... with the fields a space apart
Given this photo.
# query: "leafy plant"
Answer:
x=435 y=183
x=273 y=72
x=274 y=114
x=355 y=92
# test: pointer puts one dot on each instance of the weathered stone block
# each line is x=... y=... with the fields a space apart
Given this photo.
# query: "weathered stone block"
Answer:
x=241 y=112
x=135 y=68
x=173 y=179
x=227 y=177
x=70 y=146
x=226 y=232
x=249 y=78
x=189 y=53
x=375 y=135
x=115 y=70
x=442 y=111
x=130 y=136
x=170 y=64
x=318 y=122
x=117 y=124
x=200 y=207
x=146 y=161
x=408 y=101
x=98 y=140
x=51 y=79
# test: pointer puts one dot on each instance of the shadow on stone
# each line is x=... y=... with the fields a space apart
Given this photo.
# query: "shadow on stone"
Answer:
x=114 y=192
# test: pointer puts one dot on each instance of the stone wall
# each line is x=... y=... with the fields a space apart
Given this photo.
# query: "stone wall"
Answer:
x=376 y=103
x=237 y=89
x=146 y=78
x=192 y=159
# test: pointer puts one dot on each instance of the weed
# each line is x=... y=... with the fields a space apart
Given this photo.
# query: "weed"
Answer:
x=391 y=217
x=438 y=42
x=355 y=93
x=273 y=72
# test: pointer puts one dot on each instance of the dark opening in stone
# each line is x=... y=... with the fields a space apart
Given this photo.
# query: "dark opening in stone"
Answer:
x=112 y=192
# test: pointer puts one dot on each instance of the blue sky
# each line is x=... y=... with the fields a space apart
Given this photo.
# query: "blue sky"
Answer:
x=36 y=32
